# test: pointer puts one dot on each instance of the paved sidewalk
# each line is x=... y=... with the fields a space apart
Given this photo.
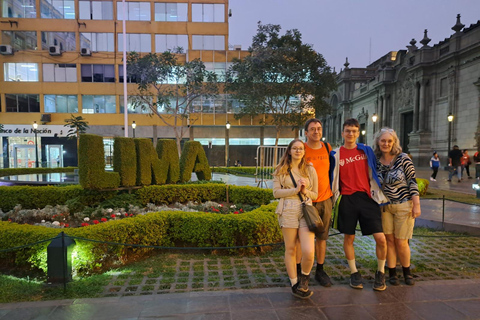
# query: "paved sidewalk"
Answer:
x=436 y=300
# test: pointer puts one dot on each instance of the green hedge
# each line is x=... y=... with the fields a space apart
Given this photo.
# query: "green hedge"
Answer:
x=422 y=186
x=194 y=159
x=168 y=154
x=172 y=228
x=125 y=161
x=18 y=171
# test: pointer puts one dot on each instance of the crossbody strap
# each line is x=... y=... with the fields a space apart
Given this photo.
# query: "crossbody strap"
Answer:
x=295 y=185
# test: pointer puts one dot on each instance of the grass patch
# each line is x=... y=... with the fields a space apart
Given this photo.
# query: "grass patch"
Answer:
x=451 y=195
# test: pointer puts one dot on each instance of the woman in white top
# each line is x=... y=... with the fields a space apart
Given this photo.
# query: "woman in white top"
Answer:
x=290 y=215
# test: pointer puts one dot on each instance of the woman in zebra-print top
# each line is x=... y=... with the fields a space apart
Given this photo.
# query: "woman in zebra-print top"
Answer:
x=397 y=174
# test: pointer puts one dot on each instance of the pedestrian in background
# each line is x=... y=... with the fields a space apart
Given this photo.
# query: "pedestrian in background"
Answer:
x=466 y=162
x=455 y=163
x=434 y=165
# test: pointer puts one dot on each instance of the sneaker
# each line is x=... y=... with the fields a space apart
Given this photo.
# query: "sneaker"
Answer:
x=356 y=280
x=434 y=179
x=379 y=284
x=300 y=294
x=449 y=180
x=323 y=278
x=431 y=179
x=459 y=180
x=469 y=177
x=409 y=280
x=303 y=282
x=394 y=280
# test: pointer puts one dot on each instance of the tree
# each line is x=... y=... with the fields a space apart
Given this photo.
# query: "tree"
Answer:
x=282 y=78
x=77 y=126
x=174 y=86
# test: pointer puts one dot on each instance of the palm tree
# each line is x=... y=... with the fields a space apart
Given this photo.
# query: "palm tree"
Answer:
x=77 y=126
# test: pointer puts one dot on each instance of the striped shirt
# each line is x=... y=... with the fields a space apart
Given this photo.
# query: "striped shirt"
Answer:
x=400 y=182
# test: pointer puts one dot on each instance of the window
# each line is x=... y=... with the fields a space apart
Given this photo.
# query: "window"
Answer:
x=66 y=40
x=207 y=12
x=136 y=104
x=164 y=42
x=22 y=102
x=218 y=67
x=443 y=87
x=95 y=10
x=98 y=73
x=21 y=71
x=61 y=103
x=19 y=9
x=135 y=11
x=120 y=75
x=208 y=42
x=171 y=11
x=97 y=41
x=209 y=105
x=136 y=42
x=57 y=9
x=98 y=104
x=20 y=40
x=59 y=72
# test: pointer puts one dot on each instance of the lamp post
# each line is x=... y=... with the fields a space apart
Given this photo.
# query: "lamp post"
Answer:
x=35 y=126
x=134 y=125
x=450 y=120
x=363 y=136
x=374 y=119
x=227 y=142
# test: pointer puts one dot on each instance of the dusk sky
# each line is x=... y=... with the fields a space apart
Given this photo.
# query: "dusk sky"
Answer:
x=346 y=28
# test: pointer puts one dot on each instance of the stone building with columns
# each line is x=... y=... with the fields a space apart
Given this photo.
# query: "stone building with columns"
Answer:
x=414 y=91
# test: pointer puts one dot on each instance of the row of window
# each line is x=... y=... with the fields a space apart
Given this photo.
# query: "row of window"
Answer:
x=103 y=10
x=92 y=104
x=95 y=41
x=28 y=72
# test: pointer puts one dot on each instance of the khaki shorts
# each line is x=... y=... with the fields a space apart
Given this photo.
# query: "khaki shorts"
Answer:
x=291 y=216
x=397 y=219
x=325 y=210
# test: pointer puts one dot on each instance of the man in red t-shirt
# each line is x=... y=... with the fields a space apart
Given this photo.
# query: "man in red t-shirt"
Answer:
x=317 y=153
x=355 y=179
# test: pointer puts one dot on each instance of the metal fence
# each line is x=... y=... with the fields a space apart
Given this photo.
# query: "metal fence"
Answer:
x=267 y=159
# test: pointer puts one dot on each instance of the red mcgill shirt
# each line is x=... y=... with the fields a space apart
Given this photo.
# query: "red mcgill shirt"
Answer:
x=353 y=171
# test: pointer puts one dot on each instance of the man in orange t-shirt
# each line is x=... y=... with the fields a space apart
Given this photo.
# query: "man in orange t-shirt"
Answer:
x=317 y=153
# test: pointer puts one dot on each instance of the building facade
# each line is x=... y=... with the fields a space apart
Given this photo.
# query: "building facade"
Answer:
x=414 y=91
x=62 y=57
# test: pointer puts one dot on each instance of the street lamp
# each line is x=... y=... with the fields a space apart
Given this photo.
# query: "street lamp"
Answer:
x=134 y=125
x=374 y=119
x=450 y=120
x=227 y=142
x=363 y=136
x=35 y=126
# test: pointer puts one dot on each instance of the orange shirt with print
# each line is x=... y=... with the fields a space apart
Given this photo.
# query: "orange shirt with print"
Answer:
x=320 y=160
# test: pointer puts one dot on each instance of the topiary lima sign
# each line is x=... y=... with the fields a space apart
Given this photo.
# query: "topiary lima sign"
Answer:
x=136 y=162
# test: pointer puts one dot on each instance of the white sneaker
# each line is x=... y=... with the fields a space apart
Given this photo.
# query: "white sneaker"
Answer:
x=434 y=179
x=431 y=179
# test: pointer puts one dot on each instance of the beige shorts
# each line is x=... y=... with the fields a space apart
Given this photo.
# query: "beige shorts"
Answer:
x=291 y=216
x=397 y=220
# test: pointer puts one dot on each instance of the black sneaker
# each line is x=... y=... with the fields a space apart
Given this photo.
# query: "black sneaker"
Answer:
x=356 y=280
x=303 y=281
x=322 y=277
x=300 y=294
x=393 y=280
x=379 y=284
x=409 y=280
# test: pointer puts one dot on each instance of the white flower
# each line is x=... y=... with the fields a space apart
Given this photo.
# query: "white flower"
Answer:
x=117 y=213
x=86 y=219
x=233 y=206
x=109 y=210
x=43 y=221
x=220 y=205
x=56 y=223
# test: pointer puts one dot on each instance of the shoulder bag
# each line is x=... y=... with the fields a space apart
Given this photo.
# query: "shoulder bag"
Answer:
x=310 y=213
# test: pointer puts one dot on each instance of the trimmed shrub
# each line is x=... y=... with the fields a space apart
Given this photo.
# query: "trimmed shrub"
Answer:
x=18 y=171
x=422 y=186
x=181 y=193
x=250 y=195
x=168 y=154
x=148 y=164
x=91 y=160
x=194 y=160
x=125 y=161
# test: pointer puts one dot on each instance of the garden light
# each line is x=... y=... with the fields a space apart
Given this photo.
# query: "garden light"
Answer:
x=59 y=259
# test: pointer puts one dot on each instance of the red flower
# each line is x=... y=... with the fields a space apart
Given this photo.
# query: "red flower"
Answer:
x=113 y=215
x=95 y=222
x=126 y=214
x=66 y=225
x=103 y=219
x=236 y=212
x=131 y=214
x=9 y=220
x=241 y=210
x=54 y=216
x=85 y=224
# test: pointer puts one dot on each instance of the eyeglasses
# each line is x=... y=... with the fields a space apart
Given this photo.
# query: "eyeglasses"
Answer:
x=315 y=129
x=297 y=149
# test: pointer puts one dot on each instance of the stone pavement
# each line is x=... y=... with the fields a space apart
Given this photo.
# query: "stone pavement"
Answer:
x=436 y=300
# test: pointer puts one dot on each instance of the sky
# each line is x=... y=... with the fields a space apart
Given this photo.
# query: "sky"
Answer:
x=362 y=30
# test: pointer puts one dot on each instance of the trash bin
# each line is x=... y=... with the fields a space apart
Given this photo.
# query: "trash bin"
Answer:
x=59 y=259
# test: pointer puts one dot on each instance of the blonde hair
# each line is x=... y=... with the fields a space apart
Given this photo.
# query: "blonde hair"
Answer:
x=285 y=163
x=396 y=148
